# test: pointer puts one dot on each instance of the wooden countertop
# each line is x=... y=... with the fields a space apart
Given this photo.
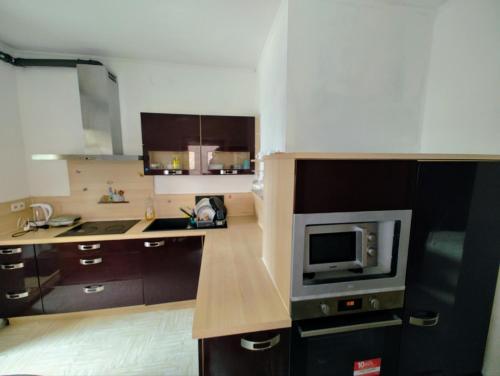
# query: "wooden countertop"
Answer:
x=388 y=156
x=235 y=292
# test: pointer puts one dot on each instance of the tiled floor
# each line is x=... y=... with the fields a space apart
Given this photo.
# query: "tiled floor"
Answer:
x=148 y=341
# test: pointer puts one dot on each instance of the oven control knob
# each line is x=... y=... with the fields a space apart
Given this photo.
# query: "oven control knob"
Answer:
x=372 y=251
x=374 y=303
x=371 y=236
x=325 y=308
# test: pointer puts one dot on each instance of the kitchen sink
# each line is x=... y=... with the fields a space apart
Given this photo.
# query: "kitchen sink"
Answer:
x=166 y=224
x=169 y=224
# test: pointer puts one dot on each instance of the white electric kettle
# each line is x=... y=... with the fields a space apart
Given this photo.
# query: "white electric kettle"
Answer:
x=41 y=214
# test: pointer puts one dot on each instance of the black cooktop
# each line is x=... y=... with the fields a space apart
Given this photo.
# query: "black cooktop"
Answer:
x=100 y=228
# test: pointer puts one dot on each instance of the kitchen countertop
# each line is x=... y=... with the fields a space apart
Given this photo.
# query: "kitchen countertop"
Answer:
x=235 y=292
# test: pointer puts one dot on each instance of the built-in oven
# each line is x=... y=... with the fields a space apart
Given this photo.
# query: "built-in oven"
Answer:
x=361 y=344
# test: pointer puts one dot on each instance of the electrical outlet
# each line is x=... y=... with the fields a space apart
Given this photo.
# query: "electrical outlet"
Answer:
x=17 y=206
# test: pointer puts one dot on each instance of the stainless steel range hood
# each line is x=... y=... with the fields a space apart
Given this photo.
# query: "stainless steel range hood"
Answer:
x=100 y=111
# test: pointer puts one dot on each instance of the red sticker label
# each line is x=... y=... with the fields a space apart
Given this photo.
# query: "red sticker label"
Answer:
x=370 y=367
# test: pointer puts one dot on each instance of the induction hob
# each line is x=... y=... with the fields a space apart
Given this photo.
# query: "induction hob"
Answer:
x=100 y=228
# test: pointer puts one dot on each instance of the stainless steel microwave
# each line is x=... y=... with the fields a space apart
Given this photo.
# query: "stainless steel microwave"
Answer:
x=348 y=253
x=340 y=246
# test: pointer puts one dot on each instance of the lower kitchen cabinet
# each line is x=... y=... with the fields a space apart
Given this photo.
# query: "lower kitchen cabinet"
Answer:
x=171 y=268
x=19 y=285
x=452 y=268
x=264 y=353
x=72 y=298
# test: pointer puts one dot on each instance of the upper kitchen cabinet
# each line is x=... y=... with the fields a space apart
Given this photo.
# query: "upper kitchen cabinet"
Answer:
x=228 y=144
x=175 y=144
x=171 y=144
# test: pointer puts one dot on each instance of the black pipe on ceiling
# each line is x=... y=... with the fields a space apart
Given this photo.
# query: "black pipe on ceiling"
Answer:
x=61 y=63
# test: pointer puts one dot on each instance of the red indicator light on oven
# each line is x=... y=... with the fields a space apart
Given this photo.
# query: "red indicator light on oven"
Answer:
x=350 y=303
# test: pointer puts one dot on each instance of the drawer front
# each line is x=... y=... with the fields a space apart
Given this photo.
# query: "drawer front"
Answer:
x=20 y=302
x=64 y=267
x=82 y=297
x=19 y=274
x=93 y=248
x=14 y=254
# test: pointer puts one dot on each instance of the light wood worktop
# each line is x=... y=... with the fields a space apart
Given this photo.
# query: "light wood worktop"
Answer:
x=235 y=292
x=387 y=156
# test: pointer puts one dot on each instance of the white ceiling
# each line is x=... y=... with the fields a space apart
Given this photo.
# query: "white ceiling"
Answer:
x=209 y=32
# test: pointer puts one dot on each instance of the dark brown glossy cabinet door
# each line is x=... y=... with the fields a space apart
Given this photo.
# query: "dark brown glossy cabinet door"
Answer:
x=172 y=132
x=19 y=285
x=229 y=133
x=75 y=278
x=324 y=186
x=261 y=353
x=452 y=268
x=171 y=269
x=170 y=137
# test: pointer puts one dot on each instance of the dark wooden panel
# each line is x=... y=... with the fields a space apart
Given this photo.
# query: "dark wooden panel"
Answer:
x=324 y=186
x=171 y=271
x=224 y=356
x=452 y=267
x=18 y=275
x=70 y=270
x=109 y=247
x=170 y=132
x=229 y=133
x=70 y=298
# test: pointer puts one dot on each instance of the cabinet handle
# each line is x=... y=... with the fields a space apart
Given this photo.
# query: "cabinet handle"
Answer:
x=424 y=318
x=88 y=247
x=93 y=289
x=19 y=265
x=19 y=295
x=91 y=261
x=260 y=346
x=161 y=243
x=10 y=251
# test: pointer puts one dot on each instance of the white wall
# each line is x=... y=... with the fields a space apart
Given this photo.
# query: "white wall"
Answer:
x=175 y=88
x=462 y=108
x=49 y=107
x=51 y=118
x=272 y=84
x=356 y=74
x=14 y=184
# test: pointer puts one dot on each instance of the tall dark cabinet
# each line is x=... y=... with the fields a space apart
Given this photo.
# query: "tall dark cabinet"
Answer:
x=452 y=268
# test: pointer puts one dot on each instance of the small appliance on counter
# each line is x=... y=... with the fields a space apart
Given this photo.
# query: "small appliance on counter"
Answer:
x=64 y=220
x=41 y=214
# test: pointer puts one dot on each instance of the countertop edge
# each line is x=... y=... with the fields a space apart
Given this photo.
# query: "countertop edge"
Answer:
x=205 y=334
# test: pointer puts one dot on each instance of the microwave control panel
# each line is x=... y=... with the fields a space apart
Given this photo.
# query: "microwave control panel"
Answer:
x=306 y=309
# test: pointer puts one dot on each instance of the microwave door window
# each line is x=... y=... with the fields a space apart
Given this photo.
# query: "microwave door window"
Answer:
x=331 y=248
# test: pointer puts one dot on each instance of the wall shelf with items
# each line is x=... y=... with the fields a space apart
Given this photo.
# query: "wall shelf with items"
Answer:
x=175 y=144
